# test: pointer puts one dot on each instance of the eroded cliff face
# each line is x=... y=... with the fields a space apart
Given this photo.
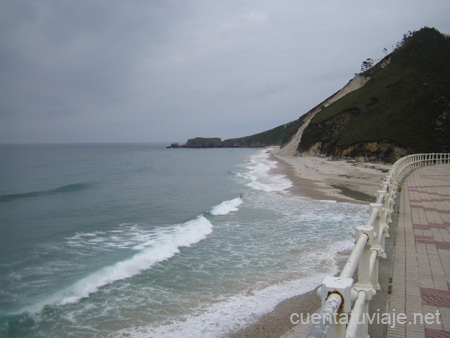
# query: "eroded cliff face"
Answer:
x=314 y=143
x=293 y=146
x=322 y=138
x=378 y=150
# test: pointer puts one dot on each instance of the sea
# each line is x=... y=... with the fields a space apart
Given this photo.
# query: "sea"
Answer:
x=136 y=240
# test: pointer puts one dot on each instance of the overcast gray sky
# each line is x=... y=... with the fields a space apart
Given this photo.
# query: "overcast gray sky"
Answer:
x=168 y=70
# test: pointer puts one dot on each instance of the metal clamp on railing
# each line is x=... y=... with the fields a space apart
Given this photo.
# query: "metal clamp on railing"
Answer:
x=338 y=317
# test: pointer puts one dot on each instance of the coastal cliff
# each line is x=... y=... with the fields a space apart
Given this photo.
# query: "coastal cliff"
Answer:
x=398 y=106
x=404 y=108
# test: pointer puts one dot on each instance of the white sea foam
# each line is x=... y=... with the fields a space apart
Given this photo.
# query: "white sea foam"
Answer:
x=224 y=316
x=226 y=207
x=110 y=240
x=161 y=247
x=260 y=176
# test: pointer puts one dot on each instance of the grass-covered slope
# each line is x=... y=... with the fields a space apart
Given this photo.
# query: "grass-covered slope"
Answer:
x=273 y=137
x=405 y=105
x=276 y=136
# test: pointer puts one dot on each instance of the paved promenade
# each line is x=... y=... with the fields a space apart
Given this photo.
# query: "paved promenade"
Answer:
x=421 y=267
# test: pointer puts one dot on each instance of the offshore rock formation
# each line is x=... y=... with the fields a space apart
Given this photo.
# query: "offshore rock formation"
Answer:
x=203 y=142
x=199 y=142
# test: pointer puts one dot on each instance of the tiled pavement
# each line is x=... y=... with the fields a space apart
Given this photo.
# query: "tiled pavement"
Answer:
x=421 y=267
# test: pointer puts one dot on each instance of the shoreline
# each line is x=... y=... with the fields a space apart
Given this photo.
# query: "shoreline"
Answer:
x=325 y=179
x=276 y=323
x=319 y=179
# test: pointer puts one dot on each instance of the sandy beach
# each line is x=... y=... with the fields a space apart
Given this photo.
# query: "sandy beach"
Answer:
x=327 y=179
x=322 y=179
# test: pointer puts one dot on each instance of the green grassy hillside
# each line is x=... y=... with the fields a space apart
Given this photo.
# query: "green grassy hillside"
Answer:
x=276 y=136
x=406 y=103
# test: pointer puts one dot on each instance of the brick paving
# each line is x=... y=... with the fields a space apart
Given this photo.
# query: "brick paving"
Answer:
x=421 y=266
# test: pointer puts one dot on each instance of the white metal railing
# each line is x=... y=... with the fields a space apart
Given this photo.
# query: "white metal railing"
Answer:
x=344 y=302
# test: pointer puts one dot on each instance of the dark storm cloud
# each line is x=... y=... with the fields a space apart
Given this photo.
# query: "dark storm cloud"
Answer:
x=94 y=71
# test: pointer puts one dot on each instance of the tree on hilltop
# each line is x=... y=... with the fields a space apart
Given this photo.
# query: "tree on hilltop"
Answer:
x=366 y=65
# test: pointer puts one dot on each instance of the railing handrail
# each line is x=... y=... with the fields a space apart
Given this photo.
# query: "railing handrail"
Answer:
x=339 y=293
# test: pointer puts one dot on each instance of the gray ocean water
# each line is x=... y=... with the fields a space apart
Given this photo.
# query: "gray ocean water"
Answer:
x=113 y=240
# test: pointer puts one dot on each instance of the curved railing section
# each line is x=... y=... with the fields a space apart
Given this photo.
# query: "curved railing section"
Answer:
x=344 y=302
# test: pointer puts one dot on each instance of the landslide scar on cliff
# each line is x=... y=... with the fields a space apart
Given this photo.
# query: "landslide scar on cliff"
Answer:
x=322 y=138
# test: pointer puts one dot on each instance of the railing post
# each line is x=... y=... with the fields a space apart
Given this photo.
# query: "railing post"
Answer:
x=364 y=275
x=389 y=202
x=363 y=264
x=378 y=243
x=385 y=213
